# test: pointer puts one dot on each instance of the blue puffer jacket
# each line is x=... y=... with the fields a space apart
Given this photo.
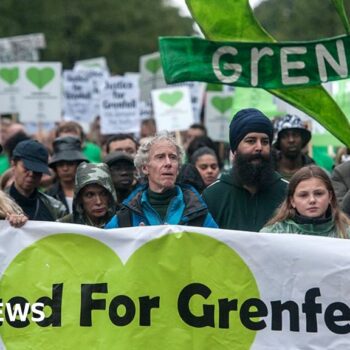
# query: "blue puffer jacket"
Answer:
x=186 y=208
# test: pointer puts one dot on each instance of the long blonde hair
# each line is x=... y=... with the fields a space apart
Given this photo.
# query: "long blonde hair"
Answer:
x=286 y=211
x=8 y=206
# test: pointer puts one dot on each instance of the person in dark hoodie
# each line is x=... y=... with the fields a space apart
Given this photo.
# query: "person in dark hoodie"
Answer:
x=246 y=198
x=94 y=201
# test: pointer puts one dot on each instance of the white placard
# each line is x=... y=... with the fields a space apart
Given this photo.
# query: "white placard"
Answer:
x=40 y=86
x=146 y=110
x=119 y=105
x=151 y=75
x=92 y=63
x=197 y=91
x=9 y=87
x=98 y=77
x=218 y=114
x=21 y=47
x=172 y=108
x=77 y=96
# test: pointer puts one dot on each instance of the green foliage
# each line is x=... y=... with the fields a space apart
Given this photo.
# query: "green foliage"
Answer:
x=120 y=30
x=300 y=19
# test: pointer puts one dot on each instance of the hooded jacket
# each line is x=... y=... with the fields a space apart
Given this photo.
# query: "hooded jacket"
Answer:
x=91 y=174
x=185 y=208
x=234 y=207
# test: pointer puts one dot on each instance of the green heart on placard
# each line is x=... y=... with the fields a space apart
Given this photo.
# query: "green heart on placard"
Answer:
x=161 y=268
x=171 y=98
x=153 y=65
x=222 y=104
x=10 y=75
x=40 y=77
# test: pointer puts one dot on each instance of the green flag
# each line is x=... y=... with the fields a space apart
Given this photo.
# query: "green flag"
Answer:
x=233 y=20
x=265 y=65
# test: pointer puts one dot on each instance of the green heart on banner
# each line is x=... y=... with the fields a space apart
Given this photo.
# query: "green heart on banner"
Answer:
x=222 y=104
x=171 y=98
x=161 y=268
x=40 y=77
x=153 y=65
x=10 y=75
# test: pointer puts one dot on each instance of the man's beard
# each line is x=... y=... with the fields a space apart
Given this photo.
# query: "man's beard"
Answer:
x=257 y=174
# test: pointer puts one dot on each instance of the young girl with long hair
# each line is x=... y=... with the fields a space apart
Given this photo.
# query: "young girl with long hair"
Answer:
x=310 y=207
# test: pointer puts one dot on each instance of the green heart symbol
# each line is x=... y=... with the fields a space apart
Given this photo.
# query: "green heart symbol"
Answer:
x=153 y=65
x=161 y=268
x=222 y=104
x=171 y=98
x=40 y=77
x=10 y=75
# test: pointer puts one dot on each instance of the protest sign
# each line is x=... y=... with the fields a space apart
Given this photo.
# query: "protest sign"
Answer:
x=171 y=287
x=146 y=110
x=77 y=96
x=21 y=47
x=151 y=75
x=197 y=91
x=119 y=105
x=172 y=108
x=92 y=63
x=98 y=77
x=218 y=115
x=9 y=87
x=40 y=85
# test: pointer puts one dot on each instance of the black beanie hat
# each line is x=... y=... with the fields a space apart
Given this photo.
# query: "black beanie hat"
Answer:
x=246 y=121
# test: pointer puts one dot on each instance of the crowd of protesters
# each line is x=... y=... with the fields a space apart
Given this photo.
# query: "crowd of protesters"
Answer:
x=269 y=182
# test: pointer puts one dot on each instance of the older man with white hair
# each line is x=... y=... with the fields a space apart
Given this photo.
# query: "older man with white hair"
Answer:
x=161 y=201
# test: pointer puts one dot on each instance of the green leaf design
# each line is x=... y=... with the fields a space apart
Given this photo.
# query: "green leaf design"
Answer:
x=339 y=5
x=233 y=20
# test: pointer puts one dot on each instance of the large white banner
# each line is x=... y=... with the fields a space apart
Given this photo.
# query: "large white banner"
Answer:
x=171 y=287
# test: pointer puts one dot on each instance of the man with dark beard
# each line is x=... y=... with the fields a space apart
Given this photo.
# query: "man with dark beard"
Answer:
x=246 y=197
x=292 y=137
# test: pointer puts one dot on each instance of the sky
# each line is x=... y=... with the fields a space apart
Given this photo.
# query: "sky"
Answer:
x=184 y=10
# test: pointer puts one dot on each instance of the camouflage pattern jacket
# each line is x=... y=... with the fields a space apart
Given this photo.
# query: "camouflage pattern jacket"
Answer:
x=91 y=174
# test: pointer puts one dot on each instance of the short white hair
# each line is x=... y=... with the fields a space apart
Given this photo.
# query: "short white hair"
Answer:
x=142 y=155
